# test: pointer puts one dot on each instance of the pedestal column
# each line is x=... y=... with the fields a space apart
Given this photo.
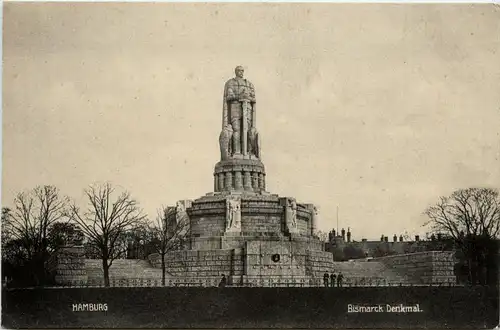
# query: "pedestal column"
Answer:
x=220 y=178
x=255 y=180
x=238 y=184
x=262 y=185
x=248 y=181
x=229 y=180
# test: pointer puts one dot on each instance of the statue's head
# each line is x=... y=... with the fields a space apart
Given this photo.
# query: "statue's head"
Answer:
x=239 y=71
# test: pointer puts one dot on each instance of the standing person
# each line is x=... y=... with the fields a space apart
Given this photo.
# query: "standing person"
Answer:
x=340 y=278
x=325 y=280
x=223 y=281
x=332 y=279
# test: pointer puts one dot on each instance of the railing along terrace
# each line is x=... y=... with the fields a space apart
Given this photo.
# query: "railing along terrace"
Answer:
x=249 y=282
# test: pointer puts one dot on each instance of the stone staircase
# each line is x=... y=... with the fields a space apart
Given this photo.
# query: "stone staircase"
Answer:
x=428 y=267
x=122 y=269
x=368 y=273
x=137 y=272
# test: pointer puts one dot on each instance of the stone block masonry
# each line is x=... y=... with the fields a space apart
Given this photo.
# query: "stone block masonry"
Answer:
x=432 y=267
x=212 y=263
x=262 y=224
x=262 y=217
x=70 y=268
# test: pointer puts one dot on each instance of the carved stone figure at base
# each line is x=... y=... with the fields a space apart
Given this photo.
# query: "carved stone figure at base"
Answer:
x=293 y=220
x=291 y=215
x=181 y=215
x=180 y=211
x=233 y=214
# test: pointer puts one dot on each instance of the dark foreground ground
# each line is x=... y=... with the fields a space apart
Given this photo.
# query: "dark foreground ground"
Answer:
x=441 y=307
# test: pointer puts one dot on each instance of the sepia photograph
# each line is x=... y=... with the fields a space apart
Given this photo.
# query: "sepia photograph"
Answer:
x=250 y=165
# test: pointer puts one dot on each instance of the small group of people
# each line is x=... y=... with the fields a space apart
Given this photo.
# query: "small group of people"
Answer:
x=329 y=280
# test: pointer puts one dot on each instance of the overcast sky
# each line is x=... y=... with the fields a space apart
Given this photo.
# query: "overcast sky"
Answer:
x=376 y=109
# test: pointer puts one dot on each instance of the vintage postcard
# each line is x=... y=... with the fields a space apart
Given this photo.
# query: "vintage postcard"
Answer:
x=250 y=165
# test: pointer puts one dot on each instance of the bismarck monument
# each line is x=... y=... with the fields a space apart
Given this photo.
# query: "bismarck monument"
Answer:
x=240 y=230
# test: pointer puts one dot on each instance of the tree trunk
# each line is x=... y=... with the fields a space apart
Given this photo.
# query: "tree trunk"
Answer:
x=163 y=271
x=38 y=270
x=36 y=273
x=470 y=271
x=491 y=265
x=105 y=269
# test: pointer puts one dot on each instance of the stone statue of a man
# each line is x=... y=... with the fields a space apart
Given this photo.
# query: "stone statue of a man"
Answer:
x=239 y=107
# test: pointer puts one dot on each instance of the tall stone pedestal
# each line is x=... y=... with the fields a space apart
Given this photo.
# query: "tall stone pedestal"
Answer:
x=241 y=230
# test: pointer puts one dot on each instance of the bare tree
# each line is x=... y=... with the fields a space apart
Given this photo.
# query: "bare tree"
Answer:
x=106 y=221
x=27 y=227
x=471 y=217
x=6 y=231
x=169 y=233
x=472 y=211
x=322 y=236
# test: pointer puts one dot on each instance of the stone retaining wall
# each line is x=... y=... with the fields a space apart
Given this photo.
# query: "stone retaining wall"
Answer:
x=279 y=258
x=263 y=259
x=423 y=267
x=201 y=263
x=319 y=262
